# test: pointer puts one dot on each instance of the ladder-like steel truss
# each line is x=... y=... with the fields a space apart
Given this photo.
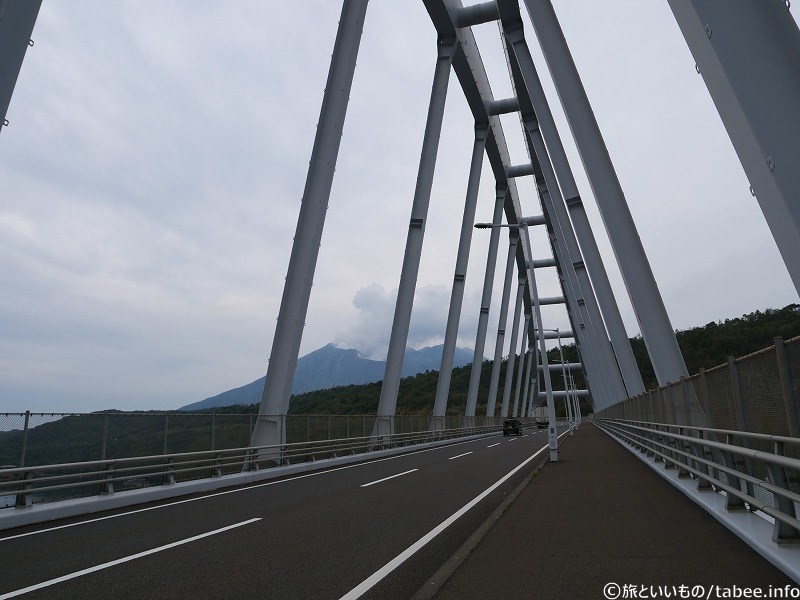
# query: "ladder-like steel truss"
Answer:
x=762 y=122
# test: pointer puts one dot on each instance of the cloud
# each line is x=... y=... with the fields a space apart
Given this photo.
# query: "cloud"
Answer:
x=370 y=330
x=153 y=170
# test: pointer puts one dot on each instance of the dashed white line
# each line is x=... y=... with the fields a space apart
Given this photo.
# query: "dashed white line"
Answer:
x=459 y=456
x=387 y=478
x=232 y=491
x=119 y=561
x=512 y=439
x=493 y=445
x=398 y=560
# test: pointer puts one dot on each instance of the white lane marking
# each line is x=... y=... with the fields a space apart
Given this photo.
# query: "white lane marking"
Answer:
x=363 y=587
x=119 y=561
x=459 y=455
x=388 y=478
x=233 y=491
x=512 y=439
x=493 y=445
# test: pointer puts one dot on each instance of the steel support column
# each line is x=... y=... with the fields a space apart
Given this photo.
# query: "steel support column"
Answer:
x=648 y=305
x=534 y=380
x=17 y=18
x=528 y=370
x=523 y=355
x=270 y=426
x=748 y=54
x=567 y=408
x=486 y=297
x=552 y=436
x=512 y=348
x=501 y=324
x=601 y=366
x=384 y=423
x=459 y=279
x=611 y=316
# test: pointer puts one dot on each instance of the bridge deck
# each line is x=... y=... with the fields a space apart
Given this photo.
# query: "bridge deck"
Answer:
x=597 y=516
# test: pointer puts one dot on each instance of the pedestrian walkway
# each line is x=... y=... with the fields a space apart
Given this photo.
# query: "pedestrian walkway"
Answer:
x=601 y=516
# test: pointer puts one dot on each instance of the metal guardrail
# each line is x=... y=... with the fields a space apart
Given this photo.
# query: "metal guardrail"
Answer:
x=759 y=392
x=29 y=439
x=102 y=477
x=726 y=467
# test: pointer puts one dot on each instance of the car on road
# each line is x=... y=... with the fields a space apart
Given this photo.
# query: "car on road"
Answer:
x=512 y=426
x=541 y=417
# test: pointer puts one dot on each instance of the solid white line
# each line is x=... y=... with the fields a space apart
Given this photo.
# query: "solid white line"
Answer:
x=459 y=455
x=398 y=560
x=388 y=478
x=119 y=561
x=233 y=491
x=493 y=445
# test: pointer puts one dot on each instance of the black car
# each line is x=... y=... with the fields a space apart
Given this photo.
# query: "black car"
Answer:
x=512 y=426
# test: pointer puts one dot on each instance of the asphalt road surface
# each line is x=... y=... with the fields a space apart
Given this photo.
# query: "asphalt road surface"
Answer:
x=377 y=529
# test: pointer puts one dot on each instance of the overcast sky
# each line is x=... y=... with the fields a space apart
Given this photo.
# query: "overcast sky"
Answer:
x=157 y=152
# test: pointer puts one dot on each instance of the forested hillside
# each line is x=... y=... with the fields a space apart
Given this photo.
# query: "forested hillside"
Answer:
x=75 y=438
x=705 y=346
x=711 y=344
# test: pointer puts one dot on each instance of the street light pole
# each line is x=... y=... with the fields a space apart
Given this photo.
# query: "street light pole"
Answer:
x=552 y=436
x=566 y=388
x=568 y=408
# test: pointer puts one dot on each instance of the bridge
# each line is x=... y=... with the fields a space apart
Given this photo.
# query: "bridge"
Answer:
x=452 y=509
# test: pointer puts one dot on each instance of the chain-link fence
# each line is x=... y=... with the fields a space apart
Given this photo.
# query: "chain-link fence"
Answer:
x=33 y=439
x=38 y=439
x=757 y=393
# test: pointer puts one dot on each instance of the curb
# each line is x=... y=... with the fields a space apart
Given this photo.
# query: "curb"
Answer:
x=431 y=587
x=11 y=517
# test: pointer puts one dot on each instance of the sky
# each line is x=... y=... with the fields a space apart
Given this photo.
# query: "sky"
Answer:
x=157 y=153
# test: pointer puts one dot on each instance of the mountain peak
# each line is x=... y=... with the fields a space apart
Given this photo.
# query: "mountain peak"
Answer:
x=331 y=366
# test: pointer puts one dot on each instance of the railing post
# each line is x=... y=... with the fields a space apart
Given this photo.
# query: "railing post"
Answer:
x=105 y=437
x=699 y=448
x=787 y=387
x=653 y=429
x=683 y=461
x=168 y=477
x=166 y=432
x=23 y=448
x=732 y=502
x=250 y=460
x=213 y=430
x=644 y=447
x=216 y=469
x=24 y=499
x=666 y=445
x=733 y=374
x=107 y=479
x=782 y=533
